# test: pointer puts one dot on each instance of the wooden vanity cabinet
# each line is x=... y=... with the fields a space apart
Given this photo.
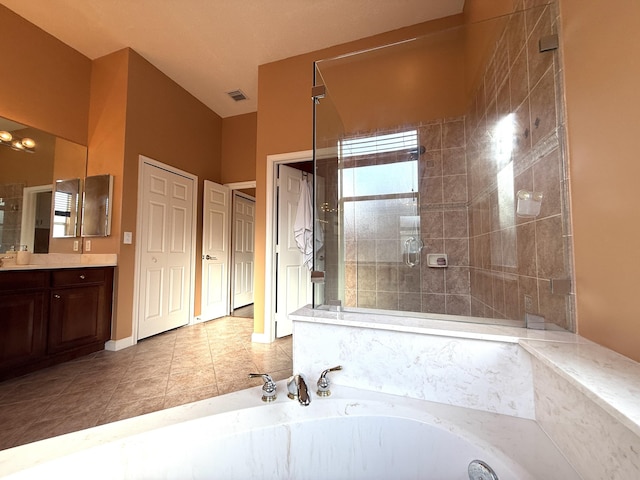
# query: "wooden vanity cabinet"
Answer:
x=23 y=321
x=50 y=316
x=80 y=308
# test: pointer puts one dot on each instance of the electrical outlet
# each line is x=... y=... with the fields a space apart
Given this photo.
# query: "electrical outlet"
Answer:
x=76 y=245
x=87 y=245
x=528 y=303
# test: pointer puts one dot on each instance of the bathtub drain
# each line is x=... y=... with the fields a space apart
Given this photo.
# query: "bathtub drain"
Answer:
x=478 y=470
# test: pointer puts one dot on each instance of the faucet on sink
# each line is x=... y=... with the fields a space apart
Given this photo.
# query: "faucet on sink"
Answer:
x=298 y=388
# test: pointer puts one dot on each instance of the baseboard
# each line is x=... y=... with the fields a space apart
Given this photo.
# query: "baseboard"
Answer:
x=260 y=338
x=115 y=345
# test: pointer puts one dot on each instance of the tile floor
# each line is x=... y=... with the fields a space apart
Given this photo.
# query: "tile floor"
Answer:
x=177 y=367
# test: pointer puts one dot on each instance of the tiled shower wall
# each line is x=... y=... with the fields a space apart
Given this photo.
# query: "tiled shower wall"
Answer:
x=500 y=264
x=513 y=258
x=443 y=217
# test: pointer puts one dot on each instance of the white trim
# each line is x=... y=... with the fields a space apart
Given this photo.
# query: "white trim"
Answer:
x=235 y=193
x=115 y=345
x=262 y=337
x=241 y=185
x=139 y=218
x=269 y=334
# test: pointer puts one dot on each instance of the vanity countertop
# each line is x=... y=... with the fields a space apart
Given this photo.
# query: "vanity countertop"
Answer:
x=62 y=260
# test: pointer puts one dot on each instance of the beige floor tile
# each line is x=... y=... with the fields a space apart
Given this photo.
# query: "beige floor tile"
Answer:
x=177 y=367
x=113 y=413
x=70 y=404
x=38 y=390
x=190 y=379
x=58 y=426
x=22 y=413
x=11 y=437
x=141 y=371
x=190 y=395
x=128 y=392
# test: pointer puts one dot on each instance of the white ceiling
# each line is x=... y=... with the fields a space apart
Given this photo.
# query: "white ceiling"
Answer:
x=211 y=47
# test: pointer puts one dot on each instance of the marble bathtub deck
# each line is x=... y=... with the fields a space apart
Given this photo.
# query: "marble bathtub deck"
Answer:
x=609 y=379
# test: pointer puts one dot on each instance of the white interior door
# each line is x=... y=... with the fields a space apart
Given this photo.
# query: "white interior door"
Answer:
x=243 y=249
x=165 y=274
x=293 y=278
x=216 y=241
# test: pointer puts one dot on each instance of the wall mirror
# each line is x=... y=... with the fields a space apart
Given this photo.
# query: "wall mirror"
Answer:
x=96 y=206
x=66 y=198
x=27 y=174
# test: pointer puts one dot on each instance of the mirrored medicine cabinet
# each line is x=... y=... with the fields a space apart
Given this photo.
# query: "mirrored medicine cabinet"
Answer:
x=96 y=206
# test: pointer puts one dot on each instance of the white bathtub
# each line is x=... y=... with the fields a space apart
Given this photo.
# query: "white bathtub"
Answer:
x=352 y=434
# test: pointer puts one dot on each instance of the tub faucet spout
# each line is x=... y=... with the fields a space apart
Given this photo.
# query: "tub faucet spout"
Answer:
x=298 y=388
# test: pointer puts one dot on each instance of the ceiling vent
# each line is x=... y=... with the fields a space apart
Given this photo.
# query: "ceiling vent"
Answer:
x=237 y=95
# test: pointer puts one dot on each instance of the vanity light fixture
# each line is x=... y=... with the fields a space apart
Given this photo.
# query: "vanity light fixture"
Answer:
x=25 y=144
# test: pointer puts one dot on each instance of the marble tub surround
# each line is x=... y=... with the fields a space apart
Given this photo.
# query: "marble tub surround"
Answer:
x=591 y=438
x=584 y=396
x=472 y=373
x=610 y=380
x=65 y=260
x=434 y=325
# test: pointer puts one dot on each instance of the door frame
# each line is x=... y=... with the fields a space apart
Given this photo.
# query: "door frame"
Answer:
x=273 y=161
x=138 y=247
x=232 y=250
x=236 y=186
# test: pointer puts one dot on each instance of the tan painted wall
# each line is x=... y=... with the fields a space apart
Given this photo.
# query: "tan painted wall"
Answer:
x=106 y=152
x=423 y=80
x=167 y=124
x=601 y=48
x=239 y=148
x=43 y=82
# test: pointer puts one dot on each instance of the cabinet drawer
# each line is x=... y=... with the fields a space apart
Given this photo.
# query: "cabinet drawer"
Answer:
x=12 y=280
x=77 y=276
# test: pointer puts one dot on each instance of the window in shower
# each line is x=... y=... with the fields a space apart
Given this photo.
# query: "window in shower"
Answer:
x=378 y=191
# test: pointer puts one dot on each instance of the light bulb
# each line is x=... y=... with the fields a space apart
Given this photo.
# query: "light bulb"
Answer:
x=17 y=144
x=28 y=142
x=5 y=136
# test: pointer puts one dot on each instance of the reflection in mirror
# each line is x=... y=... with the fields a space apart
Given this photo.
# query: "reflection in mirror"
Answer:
x=65 y=208
x=36 y=218
x=26 y=184
x=96 y=215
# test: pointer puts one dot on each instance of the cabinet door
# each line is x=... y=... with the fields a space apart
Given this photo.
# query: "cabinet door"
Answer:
x=22 y=328
x=77 y=317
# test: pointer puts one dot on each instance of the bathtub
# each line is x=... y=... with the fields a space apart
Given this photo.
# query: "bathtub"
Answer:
x=352 y=434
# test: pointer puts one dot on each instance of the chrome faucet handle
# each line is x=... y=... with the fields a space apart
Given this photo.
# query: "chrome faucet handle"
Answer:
x=269 y=387
x=323 y=382
x=297 y=388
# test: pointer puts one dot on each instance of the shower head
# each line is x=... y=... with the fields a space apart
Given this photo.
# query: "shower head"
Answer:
x=414 y=154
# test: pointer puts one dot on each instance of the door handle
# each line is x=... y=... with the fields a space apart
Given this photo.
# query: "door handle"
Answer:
x=208 y=257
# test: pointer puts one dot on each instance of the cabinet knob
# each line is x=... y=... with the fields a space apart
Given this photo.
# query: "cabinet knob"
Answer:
x=56 y=296
x=82 y=277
